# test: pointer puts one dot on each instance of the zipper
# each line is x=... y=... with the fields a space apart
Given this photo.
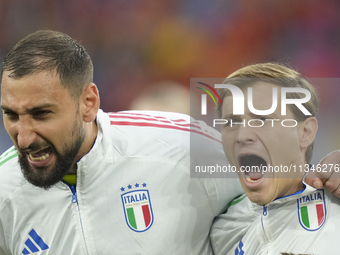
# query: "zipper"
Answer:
x=74 y=194
x=265 y=248
x=265 y=210
x=74 y=200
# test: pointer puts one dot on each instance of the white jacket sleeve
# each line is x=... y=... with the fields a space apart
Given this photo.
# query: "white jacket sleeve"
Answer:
x=3 y=250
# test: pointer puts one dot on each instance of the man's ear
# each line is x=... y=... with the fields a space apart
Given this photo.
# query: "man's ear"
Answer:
x=307 y=132
x=90 y=102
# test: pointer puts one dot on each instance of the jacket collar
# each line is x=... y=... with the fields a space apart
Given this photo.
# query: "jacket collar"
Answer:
x=306 y=191
x=94 y=160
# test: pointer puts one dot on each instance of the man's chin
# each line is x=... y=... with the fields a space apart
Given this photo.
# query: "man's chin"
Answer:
x=260 y=197
x=43 y=177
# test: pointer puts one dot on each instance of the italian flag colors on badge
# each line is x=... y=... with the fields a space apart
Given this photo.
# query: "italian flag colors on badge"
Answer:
x=312 y=210
x=139 y=216
x=138 y=210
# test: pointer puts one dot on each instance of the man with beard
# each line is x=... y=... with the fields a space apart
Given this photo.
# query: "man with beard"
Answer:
x=39 y=175
x=279 y=213
x=88 y=182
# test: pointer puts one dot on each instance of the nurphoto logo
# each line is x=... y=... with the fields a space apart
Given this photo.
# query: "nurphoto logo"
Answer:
x=204 y=97
x=239 y=102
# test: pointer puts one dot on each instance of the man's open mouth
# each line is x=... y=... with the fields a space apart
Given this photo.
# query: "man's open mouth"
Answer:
x=40 y=155
x=252 y=167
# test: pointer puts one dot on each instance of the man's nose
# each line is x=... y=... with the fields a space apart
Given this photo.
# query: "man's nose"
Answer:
x=245 y=134
x=26 y=135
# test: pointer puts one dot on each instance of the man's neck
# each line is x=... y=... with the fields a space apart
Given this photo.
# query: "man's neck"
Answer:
x=91 y=132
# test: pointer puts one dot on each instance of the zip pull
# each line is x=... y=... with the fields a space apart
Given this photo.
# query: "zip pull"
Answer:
x=265 y=212
x=74 y=194
x=74 y=198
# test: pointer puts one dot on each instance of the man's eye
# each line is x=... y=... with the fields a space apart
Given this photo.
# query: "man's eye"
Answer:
x=264 y=118
x=231 y=122
x=41 y=113
x=10 y=114
x=227 y=124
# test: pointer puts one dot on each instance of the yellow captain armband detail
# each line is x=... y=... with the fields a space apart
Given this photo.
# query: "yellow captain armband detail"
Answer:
x=70 y=179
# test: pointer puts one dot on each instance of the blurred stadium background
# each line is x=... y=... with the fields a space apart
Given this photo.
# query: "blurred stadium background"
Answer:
x=136 y=44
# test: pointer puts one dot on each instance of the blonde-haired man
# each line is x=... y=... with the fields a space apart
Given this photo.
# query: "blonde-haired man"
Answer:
x=280 y=213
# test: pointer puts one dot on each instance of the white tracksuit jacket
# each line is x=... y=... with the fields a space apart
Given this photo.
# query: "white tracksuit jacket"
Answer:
x=300 y=224
x=134 y=194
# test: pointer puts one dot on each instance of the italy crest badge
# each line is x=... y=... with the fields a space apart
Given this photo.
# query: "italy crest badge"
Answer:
x=137 y=207
x=312 y=210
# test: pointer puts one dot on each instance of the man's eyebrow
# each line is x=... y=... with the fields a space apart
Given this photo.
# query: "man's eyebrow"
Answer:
x=29 y=110
x=5 y=108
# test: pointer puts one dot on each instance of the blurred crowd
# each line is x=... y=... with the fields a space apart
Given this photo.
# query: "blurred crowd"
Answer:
x=136 y=44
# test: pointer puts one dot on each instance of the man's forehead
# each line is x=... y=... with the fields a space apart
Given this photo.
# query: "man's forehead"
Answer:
x=41 y=79
x=39 y=88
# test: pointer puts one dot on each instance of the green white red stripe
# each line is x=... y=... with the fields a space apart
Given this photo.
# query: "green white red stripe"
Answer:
x=137 y=209
x=312 y=215
x=139 y=216
x=312 y=210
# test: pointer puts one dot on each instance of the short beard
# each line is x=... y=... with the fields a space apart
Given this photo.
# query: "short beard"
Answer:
x=44 y=178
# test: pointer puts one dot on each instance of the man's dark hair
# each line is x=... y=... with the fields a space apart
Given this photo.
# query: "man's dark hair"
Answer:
x=47 y=50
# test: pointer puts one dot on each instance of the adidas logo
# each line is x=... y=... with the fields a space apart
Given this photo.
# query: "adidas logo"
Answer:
x=238 y=250
x=34 y=243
